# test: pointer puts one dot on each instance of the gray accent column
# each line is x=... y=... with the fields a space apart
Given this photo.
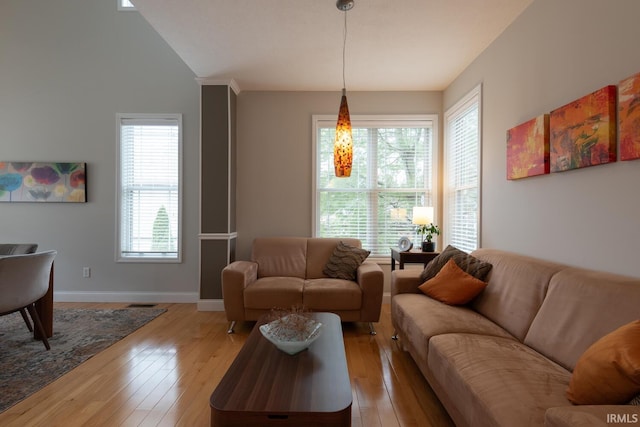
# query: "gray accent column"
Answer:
x=217 y=185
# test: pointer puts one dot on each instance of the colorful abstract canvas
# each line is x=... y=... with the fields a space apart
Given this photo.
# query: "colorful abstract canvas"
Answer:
x=629 y=117
x=528 y=148
x=43 y=182
x=583 y=133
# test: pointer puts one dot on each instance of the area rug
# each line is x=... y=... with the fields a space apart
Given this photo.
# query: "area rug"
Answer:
x=78 y=334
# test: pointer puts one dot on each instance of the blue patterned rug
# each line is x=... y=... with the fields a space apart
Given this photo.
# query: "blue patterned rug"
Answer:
x=78 y=334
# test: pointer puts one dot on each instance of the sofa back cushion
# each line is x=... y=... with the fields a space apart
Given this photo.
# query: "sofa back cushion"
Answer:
x=280 y=256
x=319 y=250
x=517 y=285
x=581 y=307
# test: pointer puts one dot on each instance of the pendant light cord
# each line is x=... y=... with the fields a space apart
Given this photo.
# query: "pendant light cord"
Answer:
x=344 y=48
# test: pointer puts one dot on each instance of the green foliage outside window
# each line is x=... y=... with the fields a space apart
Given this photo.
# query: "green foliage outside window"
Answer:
x=161 y=237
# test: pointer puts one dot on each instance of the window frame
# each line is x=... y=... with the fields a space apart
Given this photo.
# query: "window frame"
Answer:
x=377 y=121
x=473 y=96
x=119 y=220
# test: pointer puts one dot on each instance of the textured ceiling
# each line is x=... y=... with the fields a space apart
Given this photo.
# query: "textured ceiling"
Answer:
x=297 y=44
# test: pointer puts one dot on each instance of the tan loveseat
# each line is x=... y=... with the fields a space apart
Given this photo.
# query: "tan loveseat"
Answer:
x=285 y=272
x=506 y=358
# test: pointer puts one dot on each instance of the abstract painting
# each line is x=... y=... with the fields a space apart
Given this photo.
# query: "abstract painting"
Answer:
x=528 y=148
x=583 y=132
x=43 y=182
x=629 y=117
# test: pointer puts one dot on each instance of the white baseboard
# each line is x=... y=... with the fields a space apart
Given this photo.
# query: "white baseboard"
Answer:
x=218 y=304
x=386 y=298
x=134 y=297
x=210 y=305
x=153 y=297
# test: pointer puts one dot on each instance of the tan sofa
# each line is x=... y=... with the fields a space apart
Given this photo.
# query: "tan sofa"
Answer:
x=506 y=358
x=288 y=271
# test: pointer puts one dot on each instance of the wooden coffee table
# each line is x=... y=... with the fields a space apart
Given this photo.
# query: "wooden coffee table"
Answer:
x=265 y=386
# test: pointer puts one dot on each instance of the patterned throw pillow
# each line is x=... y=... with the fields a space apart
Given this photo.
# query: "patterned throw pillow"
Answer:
x=469 y=264
x=344 y=261
x=635 y=401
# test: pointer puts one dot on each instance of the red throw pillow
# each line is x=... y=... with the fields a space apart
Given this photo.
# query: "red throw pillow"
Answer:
x=452 y=285
x=608 y=373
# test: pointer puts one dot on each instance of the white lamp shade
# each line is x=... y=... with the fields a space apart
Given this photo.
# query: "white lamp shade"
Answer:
x=422 y=215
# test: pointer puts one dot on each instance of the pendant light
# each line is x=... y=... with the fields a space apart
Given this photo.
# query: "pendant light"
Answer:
x=343 y=144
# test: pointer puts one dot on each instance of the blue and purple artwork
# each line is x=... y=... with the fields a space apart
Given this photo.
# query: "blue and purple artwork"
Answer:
x=43 y=182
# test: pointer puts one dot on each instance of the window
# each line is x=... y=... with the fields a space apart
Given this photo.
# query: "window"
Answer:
x=462 y=173
x=125 y=5
x=149 y=187
x=393 y=171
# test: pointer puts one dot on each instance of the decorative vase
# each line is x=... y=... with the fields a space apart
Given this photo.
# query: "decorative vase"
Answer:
x=428 y=246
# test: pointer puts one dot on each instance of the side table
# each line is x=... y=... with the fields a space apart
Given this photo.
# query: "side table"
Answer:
x=410 y=257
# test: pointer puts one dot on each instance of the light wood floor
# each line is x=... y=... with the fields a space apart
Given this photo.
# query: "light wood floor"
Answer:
x=164 y=373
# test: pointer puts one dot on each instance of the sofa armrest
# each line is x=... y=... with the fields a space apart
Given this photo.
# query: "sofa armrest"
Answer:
x=235 y=277
x=370 y=278
x=405 y=281
x=592 y=415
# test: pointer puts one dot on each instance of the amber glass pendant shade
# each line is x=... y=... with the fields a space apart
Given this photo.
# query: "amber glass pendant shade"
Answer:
x=343 y=145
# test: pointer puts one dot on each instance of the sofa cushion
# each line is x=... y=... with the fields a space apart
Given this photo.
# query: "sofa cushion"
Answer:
x=280 y=256
x=517 y=286
x=344 y=261
x=452 y=285
x=468 y=263
x=497 y=381
x=572 y=316
x=319 y=250
x=331 y=294
x=608 y=373
x=274 y=292
x=419 y=318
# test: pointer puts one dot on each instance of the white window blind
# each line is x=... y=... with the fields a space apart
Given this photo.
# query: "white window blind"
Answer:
x=393 y=171
x=462 y=173
x=149 y=182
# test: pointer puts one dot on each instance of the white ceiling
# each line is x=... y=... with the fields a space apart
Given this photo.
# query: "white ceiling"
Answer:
x=297 y=44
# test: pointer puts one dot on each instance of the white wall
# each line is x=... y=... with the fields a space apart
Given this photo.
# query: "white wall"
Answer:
x=274 y=168
x=554 y=53
x=66 y=68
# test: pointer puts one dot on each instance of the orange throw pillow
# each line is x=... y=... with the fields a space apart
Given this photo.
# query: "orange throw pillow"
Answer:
x=452 y=285
x=608 y=373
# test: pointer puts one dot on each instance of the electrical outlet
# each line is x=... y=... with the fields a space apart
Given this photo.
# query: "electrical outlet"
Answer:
x=86 y=272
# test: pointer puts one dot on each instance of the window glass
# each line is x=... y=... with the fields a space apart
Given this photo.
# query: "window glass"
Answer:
x=125 y=5
x=393 y=171
x=462 y=172
x=149 y=177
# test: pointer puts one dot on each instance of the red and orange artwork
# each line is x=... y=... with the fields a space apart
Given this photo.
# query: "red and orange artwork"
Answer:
x=528 y=148
x=583 y=132
x=629 y=117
